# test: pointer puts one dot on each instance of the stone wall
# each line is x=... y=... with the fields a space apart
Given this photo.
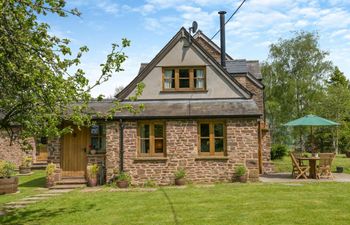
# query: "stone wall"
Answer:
x=54 y=151
x=182 y=152
x=257 y=92
x=12 y=151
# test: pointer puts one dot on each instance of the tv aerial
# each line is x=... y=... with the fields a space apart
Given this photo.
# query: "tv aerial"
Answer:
x=192 y=30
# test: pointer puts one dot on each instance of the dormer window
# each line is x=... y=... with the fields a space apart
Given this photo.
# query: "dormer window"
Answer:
x=184 y=79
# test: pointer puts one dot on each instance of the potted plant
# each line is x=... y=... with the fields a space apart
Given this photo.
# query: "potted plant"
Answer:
x=123 y=180
x=8 y=182
x=240 y=173
x=92 y=171
x=340 y=169
x=347 y=153
x=180 y=177
x=50 y=175
x=26 y=165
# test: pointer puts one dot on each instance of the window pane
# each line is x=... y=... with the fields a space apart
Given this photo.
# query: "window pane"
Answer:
x=145 y=131
x=198 y=73
x=144 y=145
x=95 y=143
x=158 y=130
x=95 y=129
x=169 y=74
x=184 y=73
x=205 y=145
x=219 y=145
x=184 y=83
x=169 y=83
x=219 y=130
x=199 y=83
x=158 y=146
x=204 y=130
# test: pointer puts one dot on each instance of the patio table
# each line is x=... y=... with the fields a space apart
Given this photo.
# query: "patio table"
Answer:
x=312 y=164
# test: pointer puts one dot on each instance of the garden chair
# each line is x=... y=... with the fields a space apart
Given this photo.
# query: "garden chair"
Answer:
x=324 y=168
x=298 y=170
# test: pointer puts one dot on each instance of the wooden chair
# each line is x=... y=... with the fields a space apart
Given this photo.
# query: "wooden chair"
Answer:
x=324 y=168
x=298 y=170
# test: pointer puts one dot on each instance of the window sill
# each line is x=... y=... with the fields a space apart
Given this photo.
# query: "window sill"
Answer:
x=211 y=158
x=141 y=159
x=182 y=92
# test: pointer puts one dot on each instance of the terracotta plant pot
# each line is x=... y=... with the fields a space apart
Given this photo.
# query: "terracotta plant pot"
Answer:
x=8 y=185
x=122 y=184
x=347 y=154
x=92 y=182
x=180 y=181
x=50 y=181
x=24 y=170
x=242 y=179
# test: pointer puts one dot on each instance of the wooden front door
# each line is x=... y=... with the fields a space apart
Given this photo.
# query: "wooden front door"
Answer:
x=74 y=147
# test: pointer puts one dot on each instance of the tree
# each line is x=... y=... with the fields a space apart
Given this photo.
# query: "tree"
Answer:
x=335 y=105
x=294 y=77
x=37 y=91
x=118 y=89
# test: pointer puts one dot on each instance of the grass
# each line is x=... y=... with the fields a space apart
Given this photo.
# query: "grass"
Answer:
x=28 y=185
x=246 y=204
x=285 y=164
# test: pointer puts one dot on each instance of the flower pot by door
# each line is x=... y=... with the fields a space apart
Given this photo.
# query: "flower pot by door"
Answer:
x=24 y=170
x=122 y=184
x=242 y=179
x=8 y=185
x=92 y=182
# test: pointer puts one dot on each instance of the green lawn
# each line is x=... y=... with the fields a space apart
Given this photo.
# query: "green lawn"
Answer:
x=285 y=164
x=256 y=203
x=28 y=185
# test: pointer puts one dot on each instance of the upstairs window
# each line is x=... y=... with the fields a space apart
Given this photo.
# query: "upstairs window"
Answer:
x=184 y=79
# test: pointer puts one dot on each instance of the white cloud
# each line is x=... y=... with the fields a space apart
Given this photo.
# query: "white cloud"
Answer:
x=108 y=6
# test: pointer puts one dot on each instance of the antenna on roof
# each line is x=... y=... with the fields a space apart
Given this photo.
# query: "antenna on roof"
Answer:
x=192 y=30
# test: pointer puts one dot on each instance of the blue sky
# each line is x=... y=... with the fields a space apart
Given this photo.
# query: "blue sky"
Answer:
x=150 y=24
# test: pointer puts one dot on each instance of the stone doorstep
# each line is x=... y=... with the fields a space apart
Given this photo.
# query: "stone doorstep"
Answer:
x=71 y=181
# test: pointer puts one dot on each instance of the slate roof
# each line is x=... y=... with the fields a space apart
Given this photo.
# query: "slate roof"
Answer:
x=184 y=108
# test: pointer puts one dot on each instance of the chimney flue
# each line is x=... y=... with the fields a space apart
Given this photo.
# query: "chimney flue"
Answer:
x=222 y=38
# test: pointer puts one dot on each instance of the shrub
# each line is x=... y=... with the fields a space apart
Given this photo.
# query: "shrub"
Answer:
x=50 y=169
x=150 y=184
x=27 y=161
x=7 y=169
x=122 y=176
x=240 y=171
x=278 y=151
x=181 y=173
x=92 y=170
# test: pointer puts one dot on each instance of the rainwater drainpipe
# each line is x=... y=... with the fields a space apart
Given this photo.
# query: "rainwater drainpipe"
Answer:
x=121 y=145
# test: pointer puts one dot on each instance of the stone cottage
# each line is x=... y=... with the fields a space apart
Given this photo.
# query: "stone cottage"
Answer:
x=204 y=112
